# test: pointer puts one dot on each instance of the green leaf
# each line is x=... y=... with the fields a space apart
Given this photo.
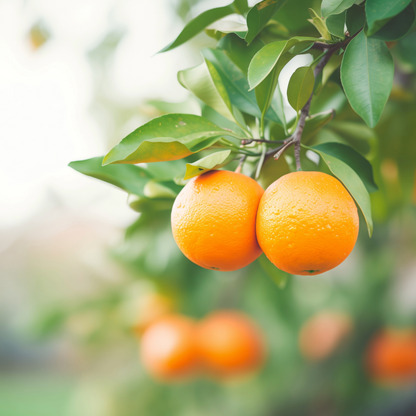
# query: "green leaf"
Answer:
x=276 y=29
x=355 y=19
x=213 y=161
x=198 y=24
x=206 y=84
x=161 y=189
x=319 y=24
x=329 y=7
x=397 y=27
x=143 y=204
x=353 y=159
x=241 y=6
x=301 y=48
x=266 y=59
x=217 y=29
x=277 y=103
x=210 y=114
x=131 y=179
x=239 y=52
x=379 y=12
x=351 y=181
x=167 y=170
x=335 y=24
x=259 y=15
x=236 y=84
x=367 y=77
x=300 y=87
x=169 y=137
x=278 y=276
x=218 y=119
x=266 y=90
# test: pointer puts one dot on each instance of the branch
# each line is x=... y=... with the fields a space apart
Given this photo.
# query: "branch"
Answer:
x=320 y=46
x=240 y=164
x=248 y=141
x=297 y=135
x=295 y=139
x=283 y=148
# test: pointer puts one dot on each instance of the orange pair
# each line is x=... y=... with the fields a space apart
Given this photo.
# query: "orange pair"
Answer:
x=225 y=344
x=306 y=222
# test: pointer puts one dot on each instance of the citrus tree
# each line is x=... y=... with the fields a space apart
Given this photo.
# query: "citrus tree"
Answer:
x=243 y=117
x=352 y=114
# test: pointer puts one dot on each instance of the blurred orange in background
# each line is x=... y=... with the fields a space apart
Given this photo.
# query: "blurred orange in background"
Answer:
x=391 y=356
x=230 y=344
x=322 y=334
x=168 y=348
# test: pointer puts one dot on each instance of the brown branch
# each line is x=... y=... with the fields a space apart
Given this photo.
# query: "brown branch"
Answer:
x=283 y=148
x=320 y=46
x=248 y=141
x=297 y=135
x=295 y=139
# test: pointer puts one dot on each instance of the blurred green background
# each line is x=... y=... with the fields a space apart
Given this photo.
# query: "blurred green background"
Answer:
x=76 y=263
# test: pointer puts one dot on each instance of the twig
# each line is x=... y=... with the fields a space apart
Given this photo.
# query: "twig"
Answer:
x=248 y=141
x=320 y=46
x=283 y=148
x=297 y=135
x=241 y=163
x=295 y=139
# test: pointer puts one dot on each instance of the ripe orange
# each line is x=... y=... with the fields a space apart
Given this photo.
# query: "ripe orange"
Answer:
x=168 y=349
x=230 y=344
x=391 y=356
x=307 y=223
x=323 y=333
x=214 y=220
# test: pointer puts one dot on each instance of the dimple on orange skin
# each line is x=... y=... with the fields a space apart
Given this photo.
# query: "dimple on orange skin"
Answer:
x=230 y=344
x=168 y=349
x=214 y=220
x=307 y=223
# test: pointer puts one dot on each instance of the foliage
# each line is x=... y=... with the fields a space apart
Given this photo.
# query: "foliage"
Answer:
x=247 y=60
x=358 y=124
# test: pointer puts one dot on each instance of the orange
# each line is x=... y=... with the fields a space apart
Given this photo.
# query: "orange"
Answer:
x=230 y=344
x=307 y=223
x=391 y=356
x=214 y=220
x=323 y=333
x=168 y=350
